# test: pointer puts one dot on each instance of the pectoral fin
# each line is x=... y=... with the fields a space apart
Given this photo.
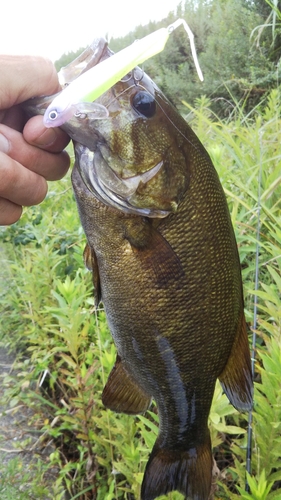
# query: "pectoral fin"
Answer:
x=154 y=251
x=121 y=392
x=91 y=263
x=236 y=378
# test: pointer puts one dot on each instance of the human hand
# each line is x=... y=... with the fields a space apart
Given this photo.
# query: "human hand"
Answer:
x=30 y=154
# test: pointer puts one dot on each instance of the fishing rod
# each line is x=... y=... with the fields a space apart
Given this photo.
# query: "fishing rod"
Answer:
x=254 y=339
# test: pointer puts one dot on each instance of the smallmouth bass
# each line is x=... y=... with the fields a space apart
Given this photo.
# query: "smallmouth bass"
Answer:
x=165 y=265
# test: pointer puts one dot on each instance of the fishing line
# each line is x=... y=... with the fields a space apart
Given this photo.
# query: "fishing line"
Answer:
x=137 y=84
x=254 y=339
x=104 y=188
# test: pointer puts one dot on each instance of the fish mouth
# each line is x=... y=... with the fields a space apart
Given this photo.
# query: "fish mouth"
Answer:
x=109 y=188
x=90 y=57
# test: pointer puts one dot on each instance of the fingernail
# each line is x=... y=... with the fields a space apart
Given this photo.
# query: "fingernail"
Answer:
x=47 y=138
x=4 y=144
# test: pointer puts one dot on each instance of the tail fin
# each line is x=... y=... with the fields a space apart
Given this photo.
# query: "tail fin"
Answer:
x=189 y=472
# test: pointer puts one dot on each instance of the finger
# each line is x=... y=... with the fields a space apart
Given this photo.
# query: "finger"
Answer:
x=49 y=139
x=25 y=77
x=20 y=185
x=52 y=166
x=9 y=212
x=13 y=117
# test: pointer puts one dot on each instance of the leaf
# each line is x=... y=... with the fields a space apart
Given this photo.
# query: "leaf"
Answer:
x=68 y=360
x=148 y=424
x=230 y=429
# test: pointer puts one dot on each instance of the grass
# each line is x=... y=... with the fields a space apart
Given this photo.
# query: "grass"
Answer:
x=13 y=481
x=67 y=352
x=20 y=480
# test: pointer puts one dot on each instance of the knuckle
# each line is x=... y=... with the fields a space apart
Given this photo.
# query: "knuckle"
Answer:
x=9 y=212
x=8 y=174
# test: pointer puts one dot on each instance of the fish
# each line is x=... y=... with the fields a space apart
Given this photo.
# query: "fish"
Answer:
x=165 y=264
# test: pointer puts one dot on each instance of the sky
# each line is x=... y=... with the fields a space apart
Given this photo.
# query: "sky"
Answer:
x=53 y=27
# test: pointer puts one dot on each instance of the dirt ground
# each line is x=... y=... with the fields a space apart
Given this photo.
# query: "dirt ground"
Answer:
x=17 y=437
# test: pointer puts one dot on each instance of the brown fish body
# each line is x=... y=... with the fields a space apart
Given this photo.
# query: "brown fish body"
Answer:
x=167 y=270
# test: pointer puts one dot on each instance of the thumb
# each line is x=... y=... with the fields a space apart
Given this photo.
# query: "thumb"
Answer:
x=23 y=77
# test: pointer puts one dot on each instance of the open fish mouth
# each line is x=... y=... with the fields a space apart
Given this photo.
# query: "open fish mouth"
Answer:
x=123 y=194
x=109 y=188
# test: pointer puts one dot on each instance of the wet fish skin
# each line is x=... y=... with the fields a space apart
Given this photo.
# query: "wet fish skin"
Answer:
x=172 y=342
x=172 y=293
x=171 y=286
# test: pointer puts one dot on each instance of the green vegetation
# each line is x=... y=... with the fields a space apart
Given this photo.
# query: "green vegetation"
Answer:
x=65 y=351
x=19 y=481
x=239 y=46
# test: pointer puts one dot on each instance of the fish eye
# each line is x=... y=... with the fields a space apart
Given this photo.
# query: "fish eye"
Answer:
x=144 y=103
x=53 y=115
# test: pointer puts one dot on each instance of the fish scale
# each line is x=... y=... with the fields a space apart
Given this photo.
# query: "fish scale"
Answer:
x=166 y=267
x=168 y=311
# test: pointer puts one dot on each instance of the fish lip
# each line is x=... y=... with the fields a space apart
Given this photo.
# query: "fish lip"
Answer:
x=134 y=181
x=87 y=168
x=90 y=57
x=113 y=198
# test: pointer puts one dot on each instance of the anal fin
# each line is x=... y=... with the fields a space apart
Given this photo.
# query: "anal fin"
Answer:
x=236 y=378
x=122 y=393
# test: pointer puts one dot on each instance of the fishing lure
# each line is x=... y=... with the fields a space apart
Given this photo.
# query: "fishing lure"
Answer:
x=79 y=95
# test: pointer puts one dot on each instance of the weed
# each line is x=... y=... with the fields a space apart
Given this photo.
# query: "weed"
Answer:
x=67 y=351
